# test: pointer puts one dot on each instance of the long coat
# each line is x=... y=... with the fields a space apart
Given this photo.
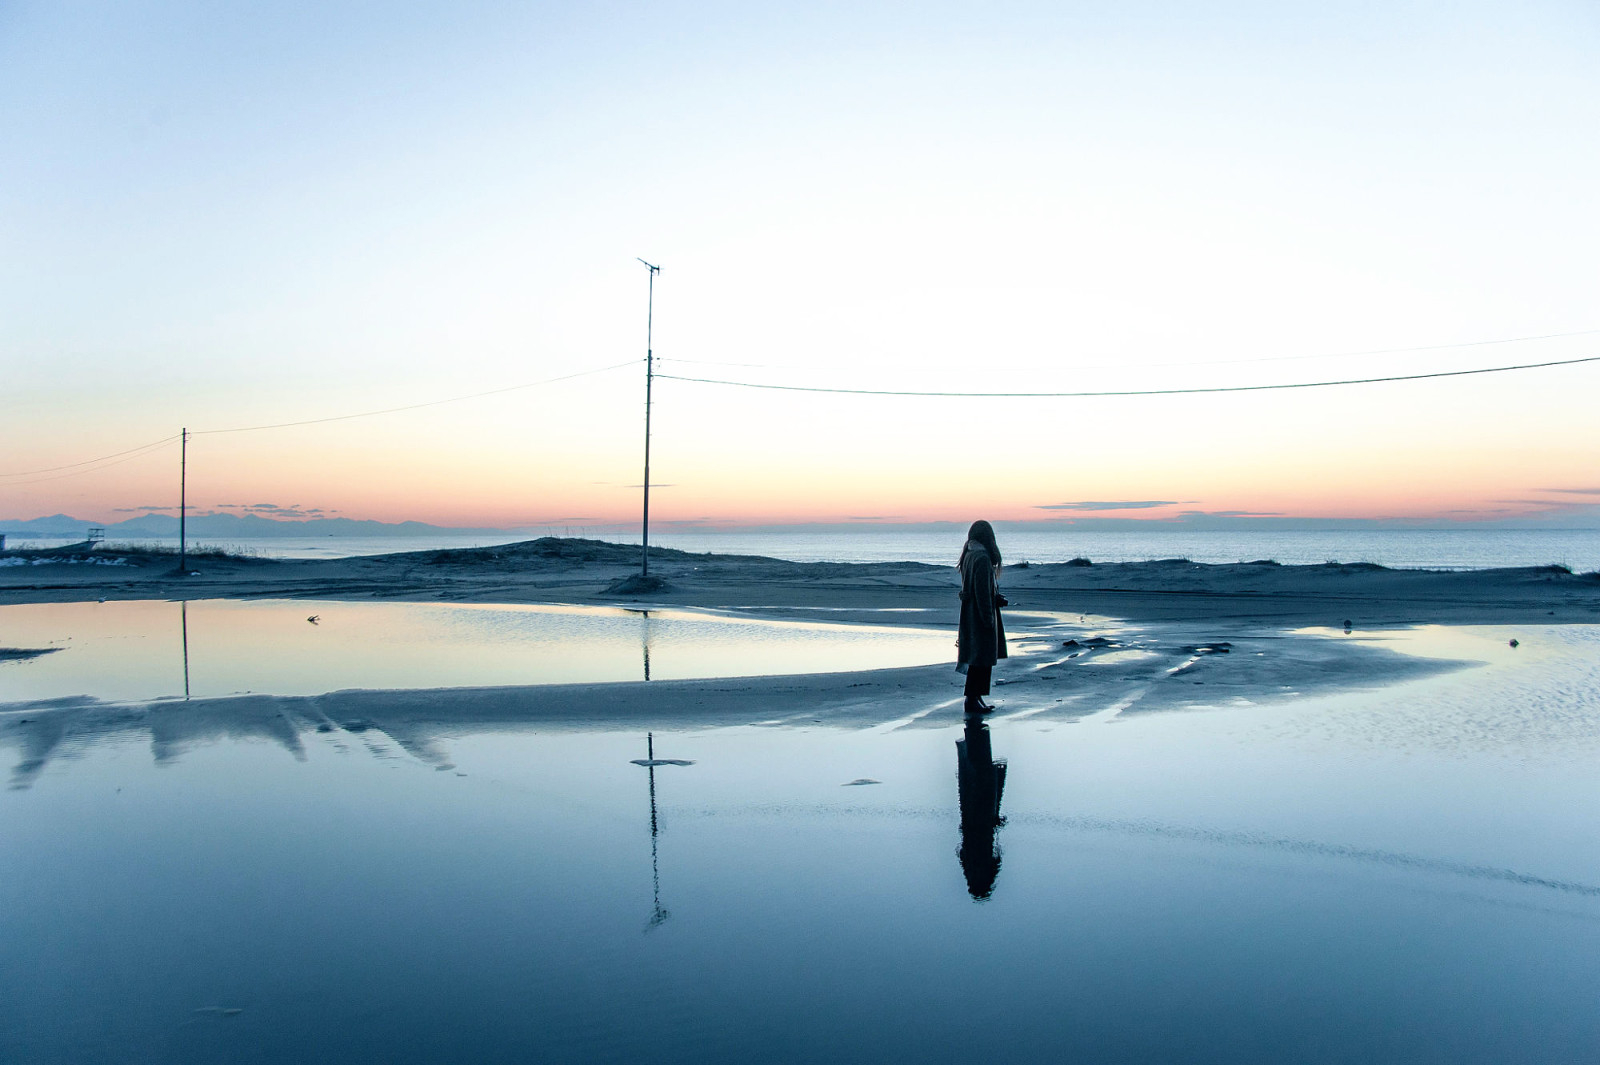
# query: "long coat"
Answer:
x=982 y=637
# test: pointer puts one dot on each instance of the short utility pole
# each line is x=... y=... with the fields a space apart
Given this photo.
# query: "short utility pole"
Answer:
x=649 y=376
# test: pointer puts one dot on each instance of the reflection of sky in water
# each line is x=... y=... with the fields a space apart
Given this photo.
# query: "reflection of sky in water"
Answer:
x=135 y=650
x=1318 y=880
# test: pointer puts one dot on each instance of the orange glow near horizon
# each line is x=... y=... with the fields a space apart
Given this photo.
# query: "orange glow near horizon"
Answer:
x=572 y=458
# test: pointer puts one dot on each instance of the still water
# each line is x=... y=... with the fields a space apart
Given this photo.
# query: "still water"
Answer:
x=1403 y=875
x=150 y=649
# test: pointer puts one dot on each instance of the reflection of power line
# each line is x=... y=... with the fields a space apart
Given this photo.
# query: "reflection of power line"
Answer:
x=657 y=915
x=650 y=761
x=1131 y=392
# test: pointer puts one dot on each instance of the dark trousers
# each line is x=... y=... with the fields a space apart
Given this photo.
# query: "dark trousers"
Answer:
x=978 y=679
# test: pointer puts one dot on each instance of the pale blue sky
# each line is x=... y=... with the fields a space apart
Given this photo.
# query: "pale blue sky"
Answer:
x=224 y=214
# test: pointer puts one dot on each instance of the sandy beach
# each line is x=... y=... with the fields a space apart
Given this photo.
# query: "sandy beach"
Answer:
x=553 y=570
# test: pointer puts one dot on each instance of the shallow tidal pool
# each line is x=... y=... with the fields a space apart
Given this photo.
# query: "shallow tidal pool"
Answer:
x=1410 y=874
x=152 y=649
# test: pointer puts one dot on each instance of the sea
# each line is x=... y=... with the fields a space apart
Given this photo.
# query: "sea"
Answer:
x=1449 y=549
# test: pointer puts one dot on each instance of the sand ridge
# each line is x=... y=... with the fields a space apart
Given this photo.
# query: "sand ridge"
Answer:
x=556 y=570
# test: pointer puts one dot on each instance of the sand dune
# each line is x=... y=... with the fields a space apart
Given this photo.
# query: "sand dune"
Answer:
x=587 y=571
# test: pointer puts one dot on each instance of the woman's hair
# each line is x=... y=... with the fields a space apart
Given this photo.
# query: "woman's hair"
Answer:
x=983 y=532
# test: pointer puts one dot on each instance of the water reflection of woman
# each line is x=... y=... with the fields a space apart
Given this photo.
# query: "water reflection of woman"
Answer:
x=980 y=780
x=981 y=640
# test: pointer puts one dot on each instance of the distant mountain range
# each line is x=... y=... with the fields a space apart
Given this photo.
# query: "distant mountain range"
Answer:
x=226 y=526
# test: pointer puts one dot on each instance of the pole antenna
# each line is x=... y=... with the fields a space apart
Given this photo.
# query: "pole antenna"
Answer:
x=649 y=377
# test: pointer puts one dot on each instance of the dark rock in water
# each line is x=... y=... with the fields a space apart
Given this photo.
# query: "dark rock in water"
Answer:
x=358 y=726
x=1513 y=643
x=638 y=584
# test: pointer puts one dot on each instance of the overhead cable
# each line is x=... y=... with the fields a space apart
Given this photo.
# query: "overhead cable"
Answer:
x=416 y=406
x=72 y=469
x=1131 y=392
x=1385 y=351
x=89 y=462
x=126 y=456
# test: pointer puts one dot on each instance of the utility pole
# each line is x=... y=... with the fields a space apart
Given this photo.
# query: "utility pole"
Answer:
x=183 y=506
x=649 y=376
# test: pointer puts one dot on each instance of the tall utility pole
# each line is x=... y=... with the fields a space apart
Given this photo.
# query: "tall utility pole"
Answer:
x=649 y=376
x=183 y=506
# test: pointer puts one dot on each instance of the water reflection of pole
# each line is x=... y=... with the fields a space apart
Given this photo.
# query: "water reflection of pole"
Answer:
x=645 y=637
x=658 y=915
x=186 y=649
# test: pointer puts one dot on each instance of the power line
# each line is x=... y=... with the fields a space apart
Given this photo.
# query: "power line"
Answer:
x=1236 y=362
x=87 y=462
x=1132 y=392
x=1376 y=351
x=116 y=458
x=415 y=406
x=126 y=456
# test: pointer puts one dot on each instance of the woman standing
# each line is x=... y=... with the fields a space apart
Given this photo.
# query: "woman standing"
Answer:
x=981 y=641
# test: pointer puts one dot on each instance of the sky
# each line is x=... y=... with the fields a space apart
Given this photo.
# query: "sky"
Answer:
x=218 y=217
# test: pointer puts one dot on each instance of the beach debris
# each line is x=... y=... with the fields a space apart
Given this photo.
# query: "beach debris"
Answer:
x=1513 y=643
x=859 y=781
x=313 y=618
x=648 y=762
